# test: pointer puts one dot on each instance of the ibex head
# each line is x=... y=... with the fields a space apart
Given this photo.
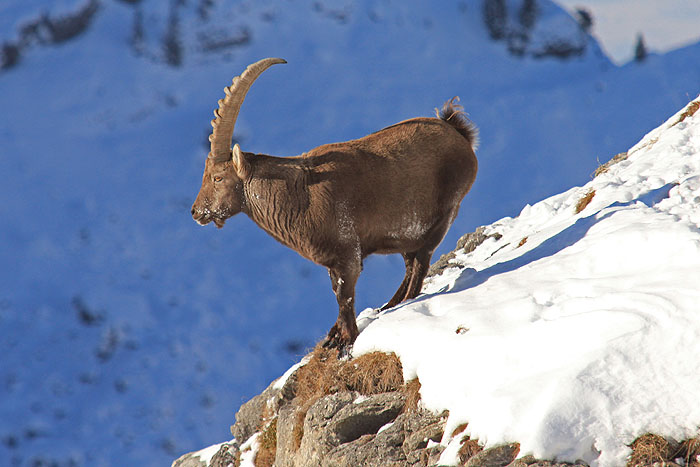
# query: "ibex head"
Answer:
x=221 y=194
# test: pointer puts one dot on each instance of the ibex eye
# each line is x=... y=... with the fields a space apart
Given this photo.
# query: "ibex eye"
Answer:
x=218 y=179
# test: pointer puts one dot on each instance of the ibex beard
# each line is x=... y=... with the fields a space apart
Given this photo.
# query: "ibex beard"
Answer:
x=395 y=191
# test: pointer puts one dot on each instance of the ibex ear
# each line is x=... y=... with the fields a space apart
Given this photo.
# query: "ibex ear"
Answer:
x=240 y=164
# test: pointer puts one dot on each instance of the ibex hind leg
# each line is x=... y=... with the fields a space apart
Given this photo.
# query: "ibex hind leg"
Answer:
x=403 y=288
x=421 y=258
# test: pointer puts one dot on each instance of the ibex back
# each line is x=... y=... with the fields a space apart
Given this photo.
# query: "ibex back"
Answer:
x=394 y=191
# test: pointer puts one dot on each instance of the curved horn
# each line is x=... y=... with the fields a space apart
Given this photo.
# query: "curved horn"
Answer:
x=229 y=106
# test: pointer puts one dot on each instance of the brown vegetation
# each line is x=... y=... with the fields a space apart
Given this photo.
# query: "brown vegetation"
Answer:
x=650 y=449
x=585 y=201
x=605 y=167
x=265 y=457
x=412 y=391
x=468 y=447
x=690 y=451
x=689 y=111
x=324 y=374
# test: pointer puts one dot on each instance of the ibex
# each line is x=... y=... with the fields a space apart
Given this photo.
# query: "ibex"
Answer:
x=394 y=191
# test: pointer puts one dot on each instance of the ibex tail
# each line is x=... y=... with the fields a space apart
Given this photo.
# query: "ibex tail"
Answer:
x=454 y=114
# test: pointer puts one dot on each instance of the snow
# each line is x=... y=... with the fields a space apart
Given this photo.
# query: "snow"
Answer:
x=131 y=335
x=249 y=450
x=206 y=454
x=582 y=338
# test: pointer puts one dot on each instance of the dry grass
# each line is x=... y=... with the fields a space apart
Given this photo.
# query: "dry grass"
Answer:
x=585 y=201
x=373 y=373
x=468 y=447
x=605 y=167
x=650 y=448
x=324 y=374
x=267 y=450
x=412 y=391
x=265 y=457
x=459 y=429
x=689 y=111
x=690 y=451
x=647 y=449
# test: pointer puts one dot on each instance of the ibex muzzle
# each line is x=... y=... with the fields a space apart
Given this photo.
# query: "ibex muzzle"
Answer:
x=395 y=191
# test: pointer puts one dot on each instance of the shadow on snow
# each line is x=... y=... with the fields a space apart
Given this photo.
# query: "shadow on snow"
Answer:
x=469 y=277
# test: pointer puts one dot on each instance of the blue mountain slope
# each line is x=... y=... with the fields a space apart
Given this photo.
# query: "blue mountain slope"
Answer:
x=132 y=334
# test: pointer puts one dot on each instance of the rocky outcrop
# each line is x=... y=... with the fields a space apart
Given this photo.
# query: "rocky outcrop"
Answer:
x=349 y=426
x=346 y=420
x=466 y=244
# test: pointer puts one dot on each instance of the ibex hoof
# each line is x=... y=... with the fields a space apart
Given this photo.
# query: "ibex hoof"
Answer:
x=335 y=340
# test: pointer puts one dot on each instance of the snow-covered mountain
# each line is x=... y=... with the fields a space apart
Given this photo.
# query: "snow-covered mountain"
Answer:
x=130 y=334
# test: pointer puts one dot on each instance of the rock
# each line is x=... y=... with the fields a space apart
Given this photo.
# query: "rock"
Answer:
x=367 y=451
x=367 y=416
x=419 y=439
x=343 y=429
x=497 y=456
x=287 y=443
x=402 y=442
x=228 y=454
x=189 y=460
x=340 y=419
x=318 y=437
x=466 y=244
x=432 y=455
x=531 y=462
x=225 y=455
x=250 y=416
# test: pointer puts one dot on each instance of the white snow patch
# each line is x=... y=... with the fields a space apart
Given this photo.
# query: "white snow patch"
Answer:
x=248 y=451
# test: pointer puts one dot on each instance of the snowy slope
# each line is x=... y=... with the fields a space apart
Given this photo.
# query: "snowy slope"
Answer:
x=130 y=334
x=573 y=333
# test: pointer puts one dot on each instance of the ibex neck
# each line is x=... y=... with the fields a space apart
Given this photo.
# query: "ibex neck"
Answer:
x=277 y=199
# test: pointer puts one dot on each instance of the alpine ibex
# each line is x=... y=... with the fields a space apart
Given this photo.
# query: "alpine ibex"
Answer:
x=394 y=191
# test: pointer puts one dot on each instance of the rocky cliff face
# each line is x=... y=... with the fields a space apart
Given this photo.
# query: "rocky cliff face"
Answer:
x=331 y=412
x=345 y=413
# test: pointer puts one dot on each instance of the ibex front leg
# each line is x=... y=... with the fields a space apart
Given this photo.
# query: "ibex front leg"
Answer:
x=344 y=331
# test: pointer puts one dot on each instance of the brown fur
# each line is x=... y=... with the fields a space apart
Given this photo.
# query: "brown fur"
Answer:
x=394 y=191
